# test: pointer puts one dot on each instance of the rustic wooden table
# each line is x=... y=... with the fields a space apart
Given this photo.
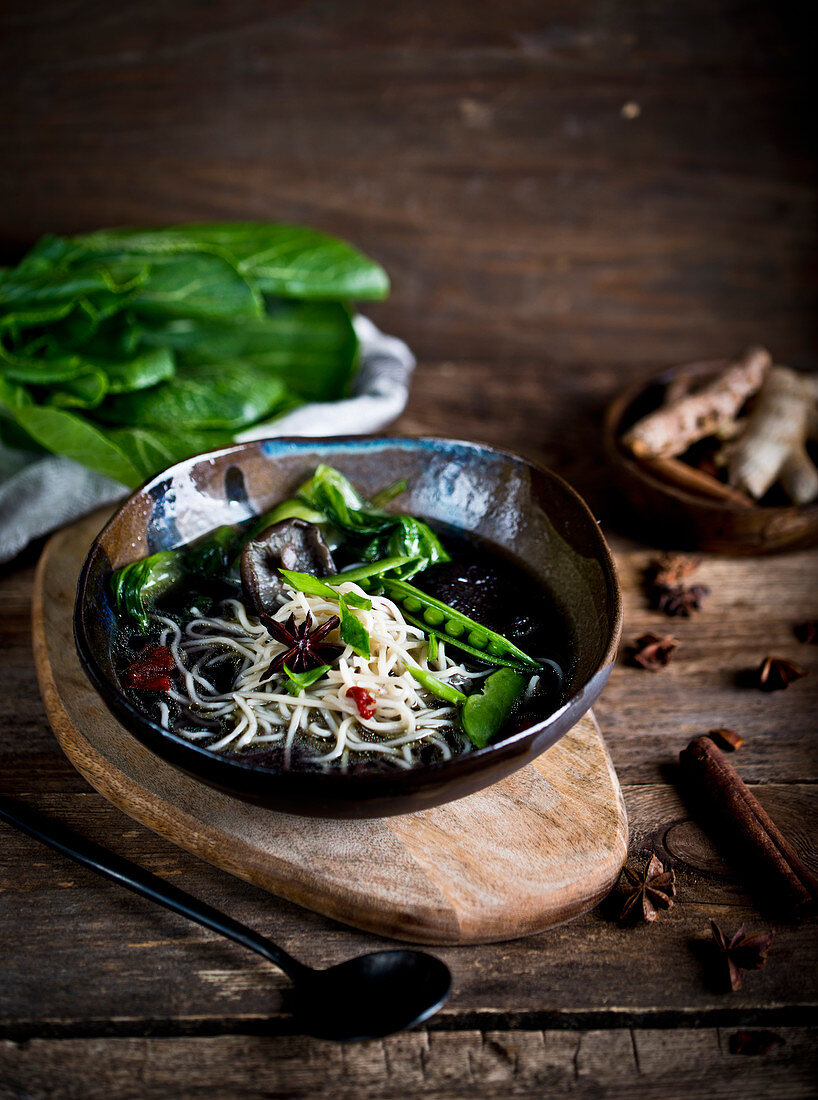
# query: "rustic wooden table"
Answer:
x=566 y=196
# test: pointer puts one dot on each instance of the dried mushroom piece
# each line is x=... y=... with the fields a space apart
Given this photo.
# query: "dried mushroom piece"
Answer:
x=290 y=544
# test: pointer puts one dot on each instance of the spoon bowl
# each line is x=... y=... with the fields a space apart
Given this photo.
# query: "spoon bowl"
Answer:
x=371 y=996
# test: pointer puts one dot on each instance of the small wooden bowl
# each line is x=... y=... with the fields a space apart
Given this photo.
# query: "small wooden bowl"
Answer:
x=668 y=515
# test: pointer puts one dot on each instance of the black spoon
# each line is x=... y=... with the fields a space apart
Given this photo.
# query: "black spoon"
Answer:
x=364 y=998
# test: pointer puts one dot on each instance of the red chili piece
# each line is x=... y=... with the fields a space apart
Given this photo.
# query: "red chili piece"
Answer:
x=149 y=672
x=364 y=701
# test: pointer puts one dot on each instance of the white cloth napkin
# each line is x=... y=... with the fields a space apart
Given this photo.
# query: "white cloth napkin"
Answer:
x=39 y=494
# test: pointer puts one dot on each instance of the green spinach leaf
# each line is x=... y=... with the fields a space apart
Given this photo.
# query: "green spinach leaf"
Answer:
x=353 y=631
x=300 y=681
x=289 y=261
x=223 y=396
x=310 y=346
x=330 y=492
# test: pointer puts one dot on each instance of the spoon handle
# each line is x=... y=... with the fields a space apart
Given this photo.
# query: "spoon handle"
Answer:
x=143 y=882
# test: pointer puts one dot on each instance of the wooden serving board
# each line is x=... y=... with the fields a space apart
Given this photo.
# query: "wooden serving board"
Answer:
x=532 y=851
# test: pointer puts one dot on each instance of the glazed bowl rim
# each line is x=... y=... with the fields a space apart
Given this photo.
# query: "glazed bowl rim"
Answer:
x=419 y=775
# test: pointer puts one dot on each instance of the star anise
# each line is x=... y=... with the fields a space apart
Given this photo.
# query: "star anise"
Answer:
x=807 y=632
x=304 y=648
x=755 y=1042
x=777 y=673
x=664 y=578
x=653 y=652
x=654 y=889
x=681 y=599
x=742 y=952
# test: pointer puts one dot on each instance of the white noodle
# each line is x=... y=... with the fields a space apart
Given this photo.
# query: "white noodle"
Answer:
x=324 y=718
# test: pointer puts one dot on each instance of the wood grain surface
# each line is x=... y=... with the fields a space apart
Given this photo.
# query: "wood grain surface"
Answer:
x=568 y=197
x=536 y=849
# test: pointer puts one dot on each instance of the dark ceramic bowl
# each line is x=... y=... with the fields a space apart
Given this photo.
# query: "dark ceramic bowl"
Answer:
x=498 y=496
x=667 y=515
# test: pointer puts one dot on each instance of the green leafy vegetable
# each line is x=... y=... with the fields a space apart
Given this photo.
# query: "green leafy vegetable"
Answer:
x=353 y=631
x=288 y=261
x=300 y=681
x=225 y=396
x=437 y=687
x=69 y=434
x=148 y=368
x=138 y=585
x=310 y=346
x=83 y=391
x=287 y=509
x=431 y=646
x=382 y=498
x=394 y=535
x=312 y=586
x=196 y=285
x=165 y=342
x=485 y=712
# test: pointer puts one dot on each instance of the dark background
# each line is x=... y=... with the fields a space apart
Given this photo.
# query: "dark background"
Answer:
x=544 y=247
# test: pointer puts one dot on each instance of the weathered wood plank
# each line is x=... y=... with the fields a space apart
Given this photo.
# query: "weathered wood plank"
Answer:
x=159 y=971
x=750 y=612
x=451 y=1065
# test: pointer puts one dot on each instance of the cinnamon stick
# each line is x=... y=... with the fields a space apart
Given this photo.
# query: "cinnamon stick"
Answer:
x=750 y=832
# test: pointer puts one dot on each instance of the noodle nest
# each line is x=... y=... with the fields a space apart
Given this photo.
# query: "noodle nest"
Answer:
x=321 y=723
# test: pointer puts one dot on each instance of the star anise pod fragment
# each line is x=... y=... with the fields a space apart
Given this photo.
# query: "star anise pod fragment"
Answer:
x=664 y=578
x=671 y=569
x=681 y=599
x=777 y=673
x=755 y=1042
x=304 y=647
x=649 y=892
x=653 y=652
x=742 y=952
x=807 y=632
x=727 y=739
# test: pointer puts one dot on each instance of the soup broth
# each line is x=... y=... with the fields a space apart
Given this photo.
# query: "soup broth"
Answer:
x=218 y=648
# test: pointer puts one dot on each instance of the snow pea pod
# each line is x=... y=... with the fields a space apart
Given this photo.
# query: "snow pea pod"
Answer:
x=361 y=573
x=437 y=687
x=485 y=712
x=436 y=617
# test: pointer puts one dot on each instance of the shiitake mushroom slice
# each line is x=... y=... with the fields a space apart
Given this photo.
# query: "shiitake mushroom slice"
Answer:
x=290 y=544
